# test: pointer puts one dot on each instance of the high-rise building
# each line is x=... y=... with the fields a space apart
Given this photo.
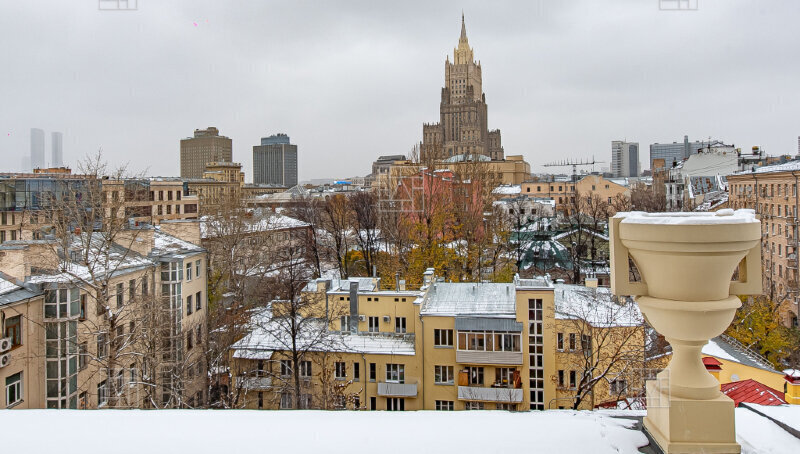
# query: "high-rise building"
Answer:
x=463 y=125
x=275 y=161
x=625 y=159
x=206 y=146
x=37 y=149
x=677 y=151
x=57 y=154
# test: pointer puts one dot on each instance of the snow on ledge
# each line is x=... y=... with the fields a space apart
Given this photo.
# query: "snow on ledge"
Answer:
x=724 y=216
x=464 y=432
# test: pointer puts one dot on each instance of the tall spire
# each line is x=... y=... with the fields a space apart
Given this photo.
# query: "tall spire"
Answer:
x=463 y=28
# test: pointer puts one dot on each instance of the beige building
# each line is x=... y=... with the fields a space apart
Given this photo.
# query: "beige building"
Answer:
x=463 y=123
x=563 y=191
x=143 y=347
x=206 y=146
x=772 y=192
x=448 y=346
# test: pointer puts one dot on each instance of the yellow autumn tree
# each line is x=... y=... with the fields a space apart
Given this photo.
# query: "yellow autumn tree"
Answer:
x=757 y=325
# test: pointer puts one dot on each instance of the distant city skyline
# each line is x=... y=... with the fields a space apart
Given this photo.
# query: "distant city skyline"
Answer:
x=566 y=77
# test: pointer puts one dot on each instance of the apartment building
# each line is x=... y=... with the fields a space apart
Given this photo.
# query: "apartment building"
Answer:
x=448 y=346
x=149 y=200
x=562 y=191
x=91 y=329
x=772 y=192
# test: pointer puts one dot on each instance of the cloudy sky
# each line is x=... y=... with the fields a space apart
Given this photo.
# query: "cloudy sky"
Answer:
x=351 y=80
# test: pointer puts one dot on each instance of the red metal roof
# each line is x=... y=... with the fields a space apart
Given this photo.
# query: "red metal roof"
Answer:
x=712 y=363
x=752 y=392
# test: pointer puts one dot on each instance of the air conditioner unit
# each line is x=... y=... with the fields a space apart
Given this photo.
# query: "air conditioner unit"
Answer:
x=5 y=344
x=5 y=359
x=387 y=318
x=362 y=318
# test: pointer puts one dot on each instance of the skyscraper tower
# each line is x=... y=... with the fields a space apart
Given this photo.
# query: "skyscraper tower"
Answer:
x=463 y=125
x=206 y=146
x=275 y=161
x=37 y=149
x=57 y=153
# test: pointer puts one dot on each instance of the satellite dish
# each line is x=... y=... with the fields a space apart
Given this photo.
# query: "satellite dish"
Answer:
x=734 y=377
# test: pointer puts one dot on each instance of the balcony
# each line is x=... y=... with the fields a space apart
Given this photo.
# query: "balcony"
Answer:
x=489 y=357
x=388 y=389
x=483 y=394
x=254 y=383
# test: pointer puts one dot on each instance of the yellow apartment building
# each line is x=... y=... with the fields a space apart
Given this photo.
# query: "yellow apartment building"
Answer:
x=562 y=191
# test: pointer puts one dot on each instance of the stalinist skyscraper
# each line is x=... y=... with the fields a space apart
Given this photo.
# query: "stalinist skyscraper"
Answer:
x=463 y=125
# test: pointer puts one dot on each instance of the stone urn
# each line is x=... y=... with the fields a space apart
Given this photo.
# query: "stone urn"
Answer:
x=686 y=263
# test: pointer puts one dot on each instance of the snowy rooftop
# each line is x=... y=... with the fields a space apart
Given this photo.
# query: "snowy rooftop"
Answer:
x=507 y=189
x=7 y=286
x=259 y=224
x=270 y=335
x=785 y=167
x=486 y=299
x=719 y=348
x=724 y=216
x=164 y=244
x=595 y=306
x=307 y=431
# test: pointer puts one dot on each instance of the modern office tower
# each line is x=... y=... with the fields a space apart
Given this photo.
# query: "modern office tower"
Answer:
x=677 y=151
x=37 y=148
x=57 y=154
x=625 y=159
x=463 y=125
x=206 y=146
x=275 y=161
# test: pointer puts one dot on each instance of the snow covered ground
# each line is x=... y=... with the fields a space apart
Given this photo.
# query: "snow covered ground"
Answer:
x=466 y=432
x=209 y=431
x=759 y=435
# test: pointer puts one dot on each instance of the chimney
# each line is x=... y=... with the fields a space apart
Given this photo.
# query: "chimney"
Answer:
x=402 y=287
x=427 y=277
x=397 y=281
x=591 y=282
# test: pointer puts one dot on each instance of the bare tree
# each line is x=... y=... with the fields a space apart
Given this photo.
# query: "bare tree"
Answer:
x=364 y=206
x=337 y=221
x=309 y=210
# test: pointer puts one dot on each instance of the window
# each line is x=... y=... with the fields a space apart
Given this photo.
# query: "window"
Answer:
x=82 y=315
x=561 y=378
x=286 y=401
x=13 y=389
x=373 y=325
x=286 y=367
x=198 y=301
x=395 y=373
x=586 y=343
x=445 y=405
x=504 y=377
x=560 y=341
x=344 y=321
x=474 y=406
x=189 y=340
x=120 y=380
x=197 y=268
x=188 y=271
x=373 y=403
x=131 y=289
x=475 y=375
x=572 y=381
x=83 y=355
x=489 y=341
x=572 y=338
x=618 y=386
x=189 y=305
x=399 y=324
x=305 y=369
x=102 y=393
x=132 y=372
x=395 y=404
x=443 y=337
x=372 y=371
x=14 y=330
x=356 y=371
x=341 y=370
x=102 y=347
x=199 y=339
x=443 y=375
x=120 y=294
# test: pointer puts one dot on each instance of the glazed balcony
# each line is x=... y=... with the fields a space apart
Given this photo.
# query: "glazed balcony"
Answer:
x=254 y=383
x=490 y=394
x=391 y=389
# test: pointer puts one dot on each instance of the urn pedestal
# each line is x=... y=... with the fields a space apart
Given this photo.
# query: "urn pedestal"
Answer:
x=686 y=262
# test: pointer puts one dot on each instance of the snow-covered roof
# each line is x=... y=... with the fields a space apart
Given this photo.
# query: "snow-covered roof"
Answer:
x=269 y=334
x=507 y=189
x=485 y=299
x=267 y=223
x=165 y=244
x=720 y=348
x=7 y=286
x=10 y=292
x=794 y=373
x=785 y=167
x=595 y=306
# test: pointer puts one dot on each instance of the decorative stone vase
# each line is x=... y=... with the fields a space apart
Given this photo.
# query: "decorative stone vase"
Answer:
x=686 y=262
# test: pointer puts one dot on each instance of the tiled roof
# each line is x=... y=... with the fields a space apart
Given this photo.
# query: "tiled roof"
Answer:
x=752 y=392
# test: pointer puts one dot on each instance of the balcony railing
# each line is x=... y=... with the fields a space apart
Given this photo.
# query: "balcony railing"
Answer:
x=388 y=389
x=484 y=394
x=484 y=357
x=254 y=383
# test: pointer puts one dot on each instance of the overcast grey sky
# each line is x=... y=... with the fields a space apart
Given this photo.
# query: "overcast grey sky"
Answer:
x=349 y=81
